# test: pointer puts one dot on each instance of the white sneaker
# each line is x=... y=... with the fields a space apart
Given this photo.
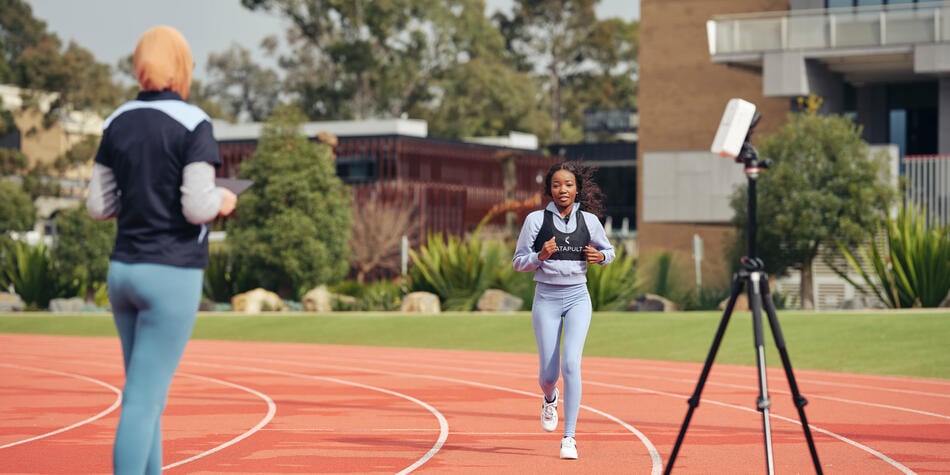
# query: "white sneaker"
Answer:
x=568 y=448
x=549 y=412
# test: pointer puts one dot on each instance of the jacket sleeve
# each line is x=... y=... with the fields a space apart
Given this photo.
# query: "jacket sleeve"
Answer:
x=200 y=198
x=526 y=260
x=598 y=238
x=102 y=201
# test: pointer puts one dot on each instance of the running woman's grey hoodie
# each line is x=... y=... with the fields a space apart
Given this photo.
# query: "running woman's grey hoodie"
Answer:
x=559 y=272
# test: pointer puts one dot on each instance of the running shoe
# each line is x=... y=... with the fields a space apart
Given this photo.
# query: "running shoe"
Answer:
x=568 y=448
x=549 y=412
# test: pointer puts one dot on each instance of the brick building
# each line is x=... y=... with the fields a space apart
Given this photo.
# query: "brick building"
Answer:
x=452 y=184
x=883 y=62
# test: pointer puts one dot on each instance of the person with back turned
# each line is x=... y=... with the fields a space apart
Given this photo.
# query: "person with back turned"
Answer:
x=154 y=173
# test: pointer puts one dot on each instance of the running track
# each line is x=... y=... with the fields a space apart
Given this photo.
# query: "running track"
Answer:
x=293 y=408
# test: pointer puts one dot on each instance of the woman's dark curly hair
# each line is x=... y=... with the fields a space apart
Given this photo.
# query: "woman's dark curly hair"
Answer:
x=589 y=195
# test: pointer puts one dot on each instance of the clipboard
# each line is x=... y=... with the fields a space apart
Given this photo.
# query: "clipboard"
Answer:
x=237 y=186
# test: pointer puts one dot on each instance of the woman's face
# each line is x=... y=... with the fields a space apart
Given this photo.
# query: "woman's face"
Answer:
x=563 y=188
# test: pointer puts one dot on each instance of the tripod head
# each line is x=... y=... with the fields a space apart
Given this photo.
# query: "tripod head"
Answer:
x=748 y=155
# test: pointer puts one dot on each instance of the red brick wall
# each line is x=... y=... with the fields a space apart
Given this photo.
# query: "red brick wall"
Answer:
x=682 y=98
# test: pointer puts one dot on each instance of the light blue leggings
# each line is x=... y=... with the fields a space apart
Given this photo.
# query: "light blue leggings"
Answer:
x=551 y=303
x=154 y=307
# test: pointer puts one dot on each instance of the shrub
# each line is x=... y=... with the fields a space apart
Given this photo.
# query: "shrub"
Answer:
x=458 y=271
x=911 y=269
x=31 y=273
x=613 y=286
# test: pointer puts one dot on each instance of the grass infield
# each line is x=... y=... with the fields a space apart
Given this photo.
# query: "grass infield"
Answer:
x=907 y=343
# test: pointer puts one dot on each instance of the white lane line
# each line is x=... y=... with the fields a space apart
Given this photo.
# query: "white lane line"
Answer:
x=853 y=443
x=656 y=460
x=443 y=423
x=848 y=441
x=103 y=413
x=271 y=410
x=742 y=386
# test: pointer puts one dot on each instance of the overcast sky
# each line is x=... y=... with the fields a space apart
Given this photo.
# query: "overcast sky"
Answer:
x=110 y=28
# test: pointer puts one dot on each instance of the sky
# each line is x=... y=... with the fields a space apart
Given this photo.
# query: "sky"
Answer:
x=110 y=28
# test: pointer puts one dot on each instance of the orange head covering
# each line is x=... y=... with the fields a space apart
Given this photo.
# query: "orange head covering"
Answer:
x=163 y=61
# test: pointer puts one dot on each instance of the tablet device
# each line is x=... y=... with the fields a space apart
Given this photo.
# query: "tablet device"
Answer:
x=237 y=186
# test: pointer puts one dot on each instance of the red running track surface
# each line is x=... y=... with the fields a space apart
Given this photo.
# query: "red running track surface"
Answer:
x=295 y=408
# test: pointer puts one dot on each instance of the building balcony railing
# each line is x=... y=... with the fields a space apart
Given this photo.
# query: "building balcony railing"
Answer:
x=857 y=27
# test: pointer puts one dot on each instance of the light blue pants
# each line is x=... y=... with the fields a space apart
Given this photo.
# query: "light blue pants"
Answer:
x=154 y=307
x=561 y=310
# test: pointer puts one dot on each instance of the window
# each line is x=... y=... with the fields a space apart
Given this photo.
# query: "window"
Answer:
x=868 y=3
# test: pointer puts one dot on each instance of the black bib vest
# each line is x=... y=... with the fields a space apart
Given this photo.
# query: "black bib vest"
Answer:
x=570 y=247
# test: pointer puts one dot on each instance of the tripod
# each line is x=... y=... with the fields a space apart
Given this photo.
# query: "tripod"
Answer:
x=752 y=273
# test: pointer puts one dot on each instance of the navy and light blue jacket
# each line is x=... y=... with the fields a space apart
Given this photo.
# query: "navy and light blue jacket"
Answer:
x=140 y=177
x=553 y=271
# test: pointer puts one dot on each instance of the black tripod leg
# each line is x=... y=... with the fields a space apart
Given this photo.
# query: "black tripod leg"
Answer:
x=737 y=287
x=797 y=397
x=763 y=404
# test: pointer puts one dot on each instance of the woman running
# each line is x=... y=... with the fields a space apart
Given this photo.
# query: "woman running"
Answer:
x=557 y=244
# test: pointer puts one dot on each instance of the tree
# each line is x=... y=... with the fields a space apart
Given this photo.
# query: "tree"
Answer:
x=17 y=212
x=242 y=87
x=291 y=227
x=822 y=189
x=82 y=247
x=557 y=33
x=376 y=235
x=33 y=59
x=364 y=59
x=611 y=80
x=485 y=98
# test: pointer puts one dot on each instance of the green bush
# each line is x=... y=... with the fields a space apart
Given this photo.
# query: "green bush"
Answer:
x=458 y=271
x=33 y=275
x=613 y=286
x=519 y=284
x=225 y=275
x=911 y=269
x=373 y=296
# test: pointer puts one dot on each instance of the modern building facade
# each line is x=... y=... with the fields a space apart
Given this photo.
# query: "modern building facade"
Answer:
x=886 y=63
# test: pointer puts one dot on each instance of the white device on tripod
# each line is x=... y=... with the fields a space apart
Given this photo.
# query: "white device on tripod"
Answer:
x=733 y=128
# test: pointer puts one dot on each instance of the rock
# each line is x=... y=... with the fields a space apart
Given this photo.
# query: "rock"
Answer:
x=494 y=300
x=421 y=302
x=653 y=303
x=70 y=305
x=318 y=300
x=11 y=302
x=256 y=301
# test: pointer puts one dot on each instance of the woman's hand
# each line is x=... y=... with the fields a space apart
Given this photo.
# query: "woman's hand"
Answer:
x=593 y=255
x=550 y=247
x=228 y=202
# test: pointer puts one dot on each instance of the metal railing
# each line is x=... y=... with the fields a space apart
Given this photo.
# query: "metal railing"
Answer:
x=855 y=27
x=927 y=181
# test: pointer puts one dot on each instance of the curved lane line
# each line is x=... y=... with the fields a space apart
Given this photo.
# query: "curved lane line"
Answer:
x=740 y=386
x=848 y=441
x=271 y=410
x=443 y=423
x=883 y=457
x=656 y=460
x=103 y=413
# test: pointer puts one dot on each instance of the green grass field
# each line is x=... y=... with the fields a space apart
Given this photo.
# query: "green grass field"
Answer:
x=909 y=343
